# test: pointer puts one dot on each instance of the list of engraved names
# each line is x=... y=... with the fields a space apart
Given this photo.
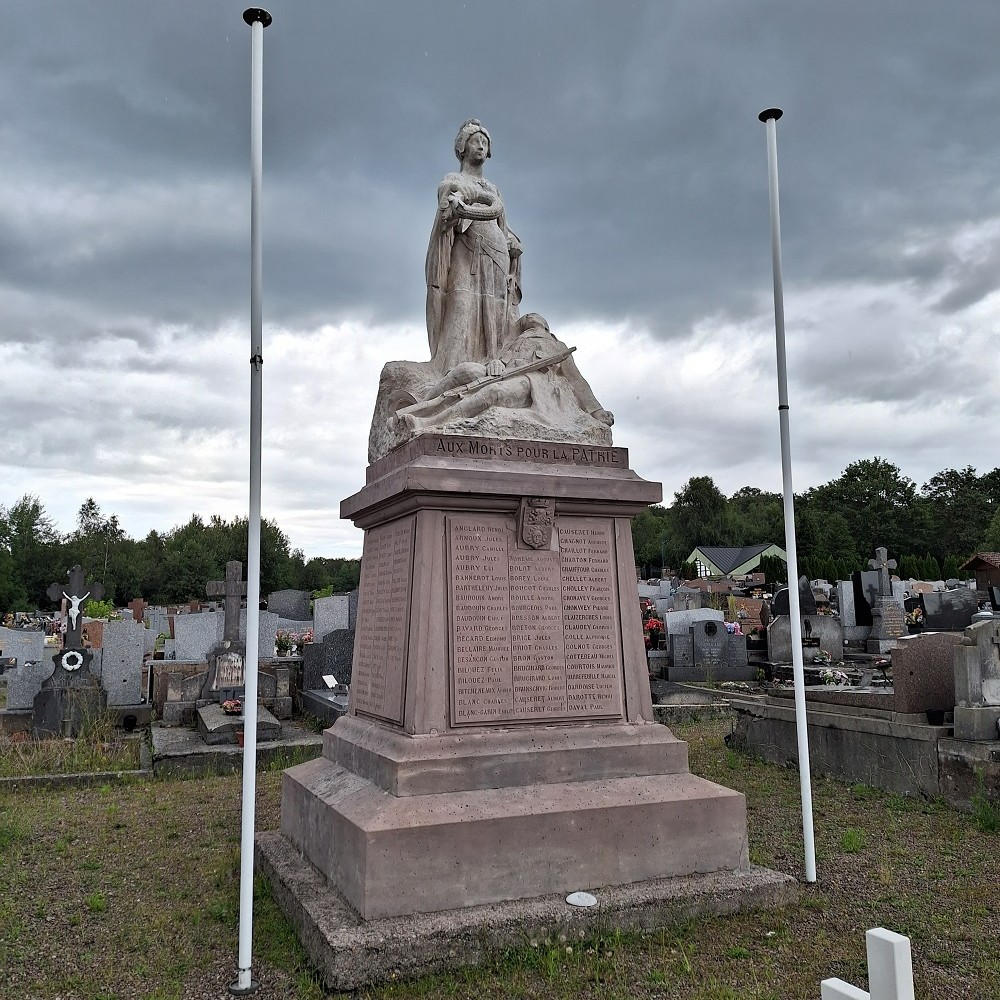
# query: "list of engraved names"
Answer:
x=534 y=633
x=383 y=612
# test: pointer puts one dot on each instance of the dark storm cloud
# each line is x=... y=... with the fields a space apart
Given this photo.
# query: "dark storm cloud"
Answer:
x=626 y=143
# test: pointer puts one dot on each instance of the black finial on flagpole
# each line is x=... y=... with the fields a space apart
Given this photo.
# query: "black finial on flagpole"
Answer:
x=774 y=113
x=252 y=14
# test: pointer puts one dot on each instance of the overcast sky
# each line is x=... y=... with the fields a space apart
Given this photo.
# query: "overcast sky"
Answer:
x=634 y=171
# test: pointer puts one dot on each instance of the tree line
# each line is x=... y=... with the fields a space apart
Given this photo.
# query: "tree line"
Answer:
x=930 y=530
x=163 y=568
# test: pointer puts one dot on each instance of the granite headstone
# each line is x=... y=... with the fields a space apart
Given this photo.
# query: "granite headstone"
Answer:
x=950 y=610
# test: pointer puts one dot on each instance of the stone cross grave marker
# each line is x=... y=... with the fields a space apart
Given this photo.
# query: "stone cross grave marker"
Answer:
x=72 y=695
x=138 y=607
x=76 y=592
x=890 y=970
x=227 y=662
x=881 y=564
x=888 y=623
x=233 y=588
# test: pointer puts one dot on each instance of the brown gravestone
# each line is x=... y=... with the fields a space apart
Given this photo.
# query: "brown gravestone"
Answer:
x=138 y=607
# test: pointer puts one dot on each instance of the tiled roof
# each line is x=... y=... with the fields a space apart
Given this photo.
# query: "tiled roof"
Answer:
x=991 y=558
x=727 y=558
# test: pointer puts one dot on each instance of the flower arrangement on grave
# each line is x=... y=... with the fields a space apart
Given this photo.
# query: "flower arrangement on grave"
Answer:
x=283 y=641
x=306 y=636
x=232 y=706
x=652 y=632
x=831 y=676
x=733 y=628
x=915 y=617
x=823 y=656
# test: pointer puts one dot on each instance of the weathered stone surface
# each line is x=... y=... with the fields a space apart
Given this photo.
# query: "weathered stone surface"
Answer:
x=23 y=644
x=492 y=373
x=121 y=661
x=923 y=672
x=291 y=604
x=330 y=614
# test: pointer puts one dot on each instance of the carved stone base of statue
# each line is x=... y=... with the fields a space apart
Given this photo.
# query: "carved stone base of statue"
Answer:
x=500 y=741
x=533 y=391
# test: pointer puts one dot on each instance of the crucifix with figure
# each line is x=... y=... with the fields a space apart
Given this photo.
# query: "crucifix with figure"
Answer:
x=77 y=591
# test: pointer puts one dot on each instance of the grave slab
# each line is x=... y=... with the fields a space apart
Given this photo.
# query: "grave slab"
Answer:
x=217 y=727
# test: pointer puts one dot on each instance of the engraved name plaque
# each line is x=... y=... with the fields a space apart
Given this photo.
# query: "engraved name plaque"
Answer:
x=379 y=673
x=534 y=633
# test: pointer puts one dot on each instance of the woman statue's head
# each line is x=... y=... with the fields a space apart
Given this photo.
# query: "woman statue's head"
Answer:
x=469 y=129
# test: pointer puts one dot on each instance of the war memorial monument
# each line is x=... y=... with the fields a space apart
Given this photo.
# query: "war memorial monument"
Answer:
x=500 y=743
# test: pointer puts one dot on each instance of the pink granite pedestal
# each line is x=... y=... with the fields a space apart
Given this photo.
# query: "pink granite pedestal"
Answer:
x=500 y=742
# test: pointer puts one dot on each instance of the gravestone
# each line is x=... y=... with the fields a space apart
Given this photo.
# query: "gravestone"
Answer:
x=26 y=681
x=977 y=682
x=854 y=633
x=818 y=632
x=23 y=644
x=995 y=599
x=950 y=610
x=227 y=668
x=138 y=608
x=333 y=654
x=888 y=620
x=71 y=697
x=681 y=648
x=865 y=585
x=121 y=661
x=923 y=672
x=196 y=635
x=330 y=614
x=227 y=660
x=680 y=622
x=807 y=600
x=291 y=604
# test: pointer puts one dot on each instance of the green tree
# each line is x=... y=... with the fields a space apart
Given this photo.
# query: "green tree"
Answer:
x=700 y=515
x=756 y=517
x=29 y=535
x=991 y=539
x=960 y=505
x=876 y=502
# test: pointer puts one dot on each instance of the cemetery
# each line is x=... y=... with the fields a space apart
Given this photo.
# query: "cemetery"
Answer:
x=497 y=767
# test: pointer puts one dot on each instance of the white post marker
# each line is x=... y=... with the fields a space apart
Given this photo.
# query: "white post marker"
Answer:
x=769 y=117
x=258 y=19
x=890 y=970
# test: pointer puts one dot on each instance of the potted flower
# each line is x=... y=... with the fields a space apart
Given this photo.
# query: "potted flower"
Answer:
x=232 y=706
x=301 y=639
x=915 y=620
x=283 y=642
x=653 y=632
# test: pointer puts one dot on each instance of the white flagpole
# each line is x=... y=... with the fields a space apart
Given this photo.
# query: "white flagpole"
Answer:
x=258 y=19
x=770 y=117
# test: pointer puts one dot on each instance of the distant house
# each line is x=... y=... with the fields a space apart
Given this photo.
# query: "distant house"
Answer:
x=986 y=566
x=721 y=560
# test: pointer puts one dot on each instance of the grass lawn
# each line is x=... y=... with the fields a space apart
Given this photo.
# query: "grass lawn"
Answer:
x=132 y=891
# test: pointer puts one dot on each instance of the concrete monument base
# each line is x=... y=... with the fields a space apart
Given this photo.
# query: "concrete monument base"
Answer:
x=350 y=953
x=500 y=742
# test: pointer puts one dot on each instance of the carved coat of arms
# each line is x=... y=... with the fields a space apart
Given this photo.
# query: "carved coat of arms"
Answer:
x=537 y=515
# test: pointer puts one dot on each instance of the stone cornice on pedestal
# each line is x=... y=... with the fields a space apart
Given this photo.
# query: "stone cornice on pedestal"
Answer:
x=461 y=473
